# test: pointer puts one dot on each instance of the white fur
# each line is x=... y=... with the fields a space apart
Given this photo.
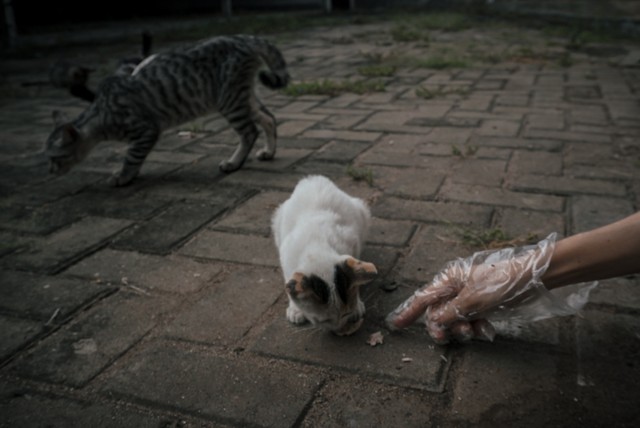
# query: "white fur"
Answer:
x=318 y=227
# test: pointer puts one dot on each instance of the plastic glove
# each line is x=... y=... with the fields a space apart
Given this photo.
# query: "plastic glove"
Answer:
x=489 y=285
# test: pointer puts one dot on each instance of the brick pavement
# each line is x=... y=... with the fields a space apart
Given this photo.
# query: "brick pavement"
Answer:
x=161 y=304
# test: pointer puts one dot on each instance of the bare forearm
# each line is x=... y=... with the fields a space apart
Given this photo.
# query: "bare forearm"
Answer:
x=606 y=252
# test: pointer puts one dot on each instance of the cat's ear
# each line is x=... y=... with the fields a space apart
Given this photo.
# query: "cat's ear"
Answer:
x=59 y=118
x=301 y=287
x=359 y=272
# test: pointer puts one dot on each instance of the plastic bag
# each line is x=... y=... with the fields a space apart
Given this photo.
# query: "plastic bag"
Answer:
x=496 y=285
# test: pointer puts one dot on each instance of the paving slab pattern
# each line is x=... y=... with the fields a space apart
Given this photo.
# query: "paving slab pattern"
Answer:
x=162 y=303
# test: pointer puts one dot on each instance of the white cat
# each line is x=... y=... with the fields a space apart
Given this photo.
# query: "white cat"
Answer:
x=319 y=232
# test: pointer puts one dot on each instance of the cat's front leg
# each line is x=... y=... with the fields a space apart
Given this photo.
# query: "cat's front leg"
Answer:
x=136 y=154
x=124 y=177
x=295 y=315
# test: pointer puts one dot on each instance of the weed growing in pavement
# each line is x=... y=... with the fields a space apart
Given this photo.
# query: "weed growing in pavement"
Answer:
x=360 y=174
x=495 y=238
x=405 y=33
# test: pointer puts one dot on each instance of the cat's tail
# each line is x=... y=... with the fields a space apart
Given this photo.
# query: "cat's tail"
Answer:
x=277 y=76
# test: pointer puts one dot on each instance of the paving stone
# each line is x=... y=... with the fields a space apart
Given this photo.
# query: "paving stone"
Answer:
x=517 y=143
x=16 y=333
x=431 y=248
x=512 y=100
x=389 y=232
x=476 y=102
x=341 y=151
x=254 y=215
x=182 y=379
x=501 y=197
x=285 y=158
x=354 y=404
x=431 y=212
x=56 y=188
x=291 y=128
x=478 y=171
x=588 y=213
x=22 y=407
x=535 y=162
x=11 y=242
x=343 y=121
x=449 y=136
x=210 y=244
x=605 y=342
x=566 y=136
x=384 y=258
x=76 y=354
x=333 y=170
x=47 y=299
x=413 y=183
x=618 y=292
x=263 y=179
x=223 y=313
x=566 y=185
x=397 y=121
x=521 y=224
x=169 y=228
x=499 y=128
x=147 y=272
x=301 y=143
x=532 y=379
x=59 y=249
x=426 y=370
x=50 y=217
x=342 y=135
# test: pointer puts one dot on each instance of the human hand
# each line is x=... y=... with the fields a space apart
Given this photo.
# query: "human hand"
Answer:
x=467 y=291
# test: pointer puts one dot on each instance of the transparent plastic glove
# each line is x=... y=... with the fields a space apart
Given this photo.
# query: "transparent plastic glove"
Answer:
x=468 y=293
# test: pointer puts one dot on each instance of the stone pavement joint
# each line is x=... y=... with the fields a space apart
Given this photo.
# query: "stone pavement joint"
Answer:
x=162 y=303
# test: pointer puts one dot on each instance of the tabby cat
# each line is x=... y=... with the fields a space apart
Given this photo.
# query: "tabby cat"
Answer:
x=168 y=89
x=319 y=232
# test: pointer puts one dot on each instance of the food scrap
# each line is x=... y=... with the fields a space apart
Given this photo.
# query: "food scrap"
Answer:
x=376 y=338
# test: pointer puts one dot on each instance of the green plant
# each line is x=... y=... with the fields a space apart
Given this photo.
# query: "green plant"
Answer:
x=360 y=174
x=440 y=62
x=565 y=60
x=494 y=238
x=404 y=33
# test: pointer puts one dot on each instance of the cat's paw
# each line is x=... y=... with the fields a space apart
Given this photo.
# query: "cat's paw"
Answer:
x=264 y=154
x=295 y=315
x=228 y=166
x=119 y=180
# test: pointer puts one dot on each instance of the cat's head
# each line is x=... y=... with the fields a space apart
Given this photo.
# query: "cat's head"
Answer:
x=333 y=303
x=66 y=145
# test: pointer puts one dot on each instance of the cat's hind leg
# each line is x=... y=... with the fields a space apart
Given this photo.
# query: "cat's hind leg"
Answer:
x=268 y=122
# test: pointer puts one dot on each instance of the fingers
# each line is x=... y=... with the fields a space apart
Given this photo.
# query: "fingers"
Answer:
x=414 y=307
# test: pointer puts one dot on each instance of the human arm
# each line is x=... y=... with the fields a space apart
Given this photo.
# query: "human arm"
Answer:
x=467 y=290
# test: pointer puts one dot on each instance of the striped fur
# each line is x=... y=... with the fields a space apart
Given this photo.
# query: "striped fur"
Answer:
x=168 y=89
